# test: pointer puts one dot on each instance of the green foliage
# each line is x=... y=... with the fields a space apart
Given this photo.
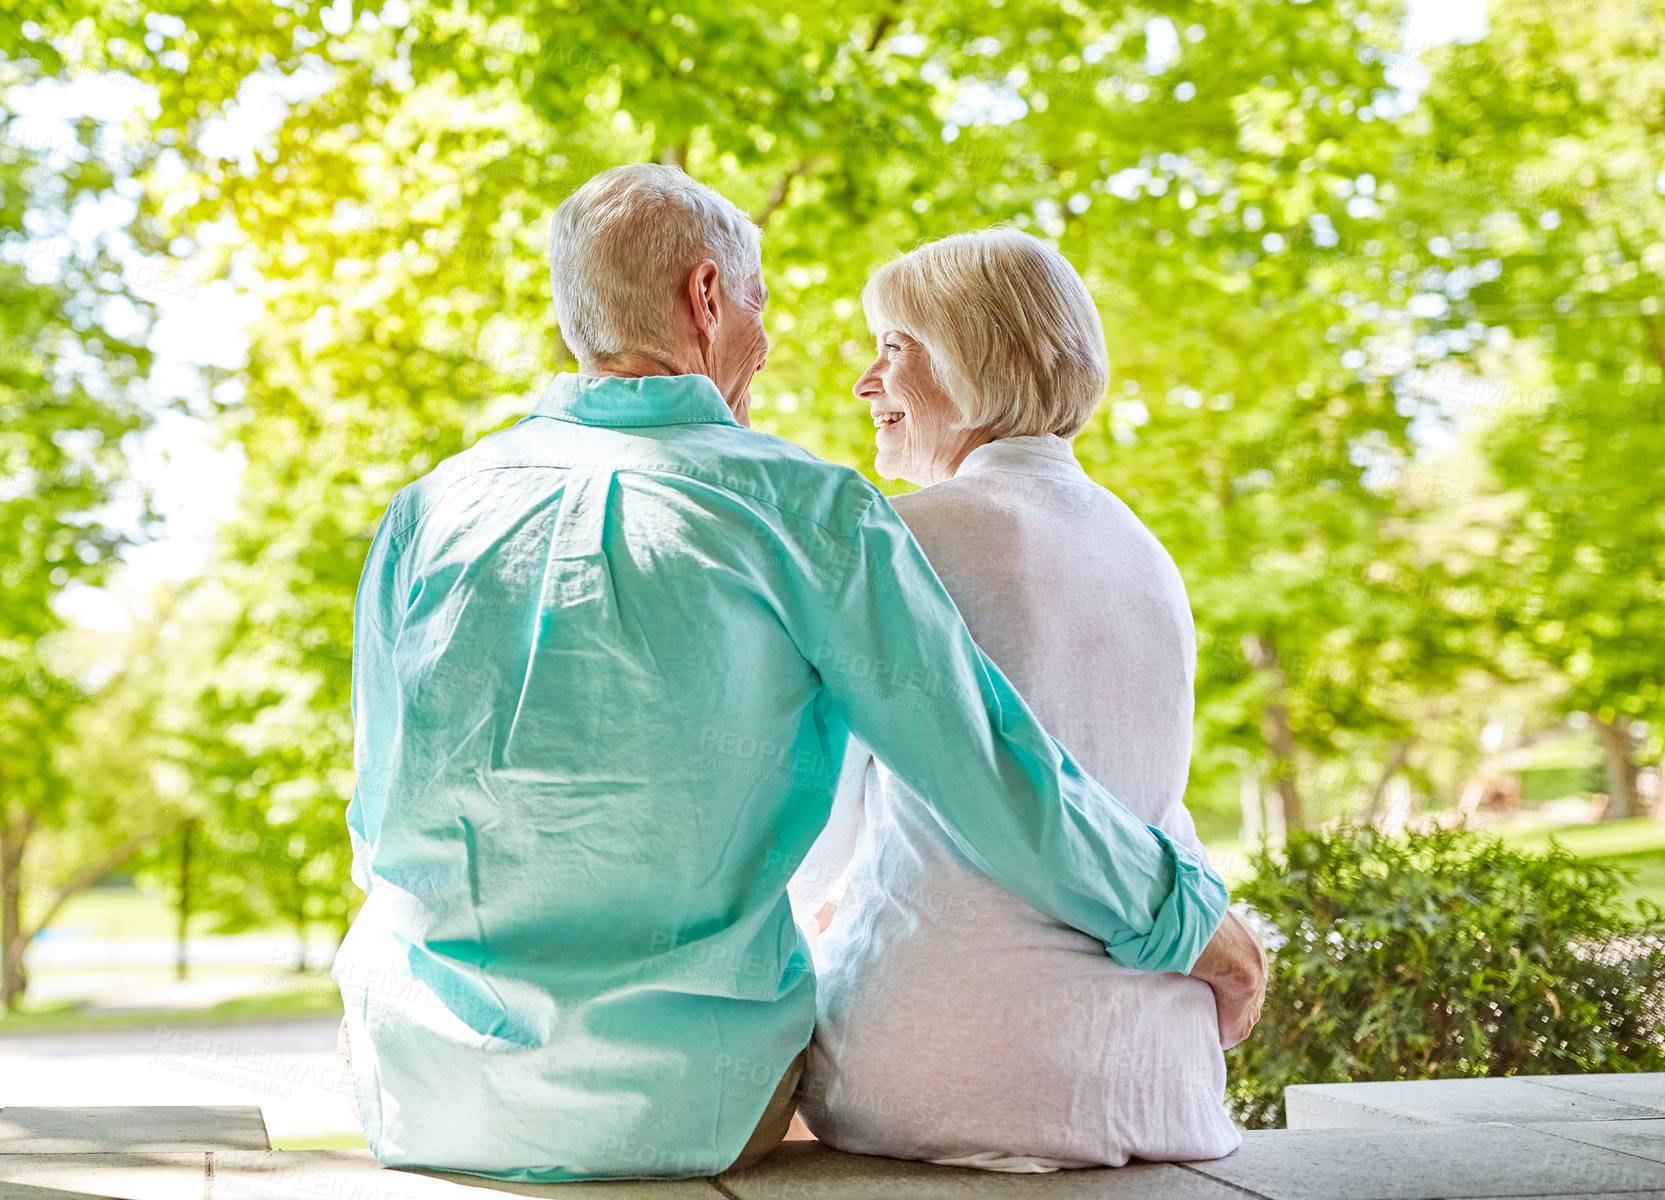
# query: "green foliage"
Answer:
x=63 y=417
x=1260 y=219
x=1549 y=179
x=396 y=226
x=1445 y=955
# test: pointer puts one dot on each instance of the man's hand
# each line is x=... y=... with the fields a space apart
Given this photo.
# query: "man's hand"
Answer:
x=1234 y=965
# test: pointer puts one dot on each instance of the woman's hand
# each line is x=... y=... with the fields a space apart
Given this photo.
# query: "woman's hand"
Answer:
x=1234 y=965
x=825 y=914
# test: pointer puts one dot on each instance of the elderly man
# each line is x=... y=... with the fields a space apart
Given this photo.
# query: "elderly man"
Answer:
x=605 y=663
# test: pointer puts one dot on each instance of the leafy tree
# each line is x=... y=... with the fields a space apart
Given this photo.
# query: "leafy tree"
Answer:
x=394 y=221
x=1259 y=216
x=1543 y=193
x=62 y=420
x=261 y=851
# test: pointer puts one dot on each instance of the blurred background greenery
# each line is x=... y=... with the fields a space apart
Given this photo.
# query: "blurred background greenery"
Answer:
x=1383 y=309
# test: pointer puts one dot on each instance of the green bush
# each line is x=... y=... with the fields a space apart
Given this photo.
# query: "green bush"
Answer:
x=1444 y=955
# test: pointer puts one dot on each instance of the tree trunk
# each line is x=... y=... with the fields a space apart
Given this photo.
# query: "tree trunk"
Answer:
x=1621 y=772
x=1395 y=760
x=1274 y=725
x=16 y=939
x=1282 y=742
x=300 y=931
x=182 y=965
x=1251 y=806
x=12 y=943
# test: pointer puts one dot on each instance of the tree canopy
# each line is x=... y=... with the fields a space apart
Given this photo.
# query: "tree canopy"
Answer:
x=1384 y=335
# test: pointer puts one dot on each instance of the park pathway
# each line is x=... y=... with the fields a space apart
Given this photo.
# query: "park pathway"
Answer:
x=286 y=1067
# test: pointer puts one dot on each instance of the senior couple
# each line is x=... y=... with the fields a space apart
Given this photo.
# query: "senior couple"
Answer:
x=613 y=666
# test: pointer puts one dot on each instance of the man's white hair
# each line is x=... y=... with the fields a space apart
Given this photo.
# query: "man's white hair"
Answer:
x=620 y=251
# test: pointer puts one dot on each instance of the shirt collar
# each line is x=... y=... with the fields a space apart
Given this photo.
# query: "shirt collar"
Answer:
x=649 y=400
x=1048 y=456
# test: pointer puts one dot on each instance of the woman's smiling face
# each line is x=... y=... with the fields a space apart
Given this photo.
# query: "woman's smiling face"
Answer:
x=914 y=420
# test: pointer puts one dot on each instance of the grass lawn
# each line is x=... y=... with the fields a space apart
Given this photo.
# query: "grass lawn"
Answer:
x=1649 y=883
x=1637 y=845
x=121 y=912
x=313 y=994
x=346 y=1141
x=1611 y=839
x=124 y=911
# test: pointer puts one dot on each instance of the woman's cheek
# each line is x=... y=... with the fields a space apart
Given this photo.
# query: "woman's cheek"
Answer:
x=927 y=437
x=919 y=443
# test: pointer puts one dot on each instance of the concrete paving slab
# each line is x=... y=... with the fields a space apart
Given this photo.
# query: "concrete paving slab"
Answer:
x=811 y=1171
x=1646 y=1088
x=288 y=1174
x=117 y=1176
x=1645 y=1139
x=136 y=1129
x=286 y=1067
x=23 y=1191
x=1427 y=1163
x=1515 y=1099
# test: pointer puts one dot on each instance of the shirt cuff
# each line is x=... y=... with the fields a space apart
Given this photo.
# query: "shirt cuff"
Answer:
x=1196 y=904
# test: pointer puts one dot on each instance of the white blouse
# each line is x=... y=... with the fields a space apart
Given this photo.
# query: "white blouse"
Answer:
x=956 y=1023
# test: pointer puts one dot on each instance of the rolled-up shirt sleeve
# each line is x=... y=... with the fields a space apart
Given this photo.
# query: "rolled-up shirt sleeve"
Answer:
x=903 y=671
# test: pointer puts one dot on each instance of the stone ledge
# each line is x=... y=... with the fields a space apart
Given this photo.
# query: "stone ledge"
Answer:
x=1444 y=1160
x=812 y=1171
x=110 y=1130
x=290 y=1174
x=1516 y=1099
x=162 y=1176
x=287 y=1175
x=1644 y=1139
x=1431 y=1161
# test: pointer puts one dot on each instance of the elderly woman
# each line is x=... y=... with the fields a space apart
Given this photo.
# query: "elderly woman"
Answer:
x=956 y=1023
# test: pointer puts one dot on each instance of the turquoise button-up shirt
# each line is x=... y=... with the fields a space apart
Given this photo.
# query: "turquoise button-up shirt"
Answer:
x=604 y=666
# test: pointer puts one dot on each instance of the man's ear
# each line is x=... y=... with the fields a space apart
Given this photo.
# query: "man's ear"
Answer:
x=702 y=298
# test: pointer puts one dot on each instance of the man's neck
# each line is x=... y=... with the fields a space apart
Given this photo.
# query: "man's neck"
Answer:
x=632 y=365
x=635 y=365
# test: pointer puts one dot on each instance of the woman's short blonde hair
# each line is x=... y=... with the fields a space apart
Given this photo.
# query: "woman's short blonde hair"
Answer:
x=1013 y=335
